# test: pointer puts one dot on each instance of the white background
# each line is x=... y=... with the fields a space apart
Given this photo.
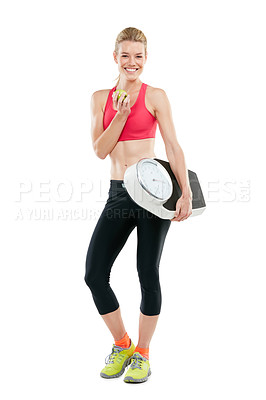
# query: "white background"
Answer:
x=209 y=57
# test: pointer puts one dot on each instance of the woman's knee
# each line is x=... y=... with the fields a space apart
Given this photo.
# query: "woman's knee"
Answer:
x=150 y=291
x=91 y=269
x=96 y=277
x=89 y=279
x=95 y=282
x=151 y=301
x=149 y=278
x=92 y=278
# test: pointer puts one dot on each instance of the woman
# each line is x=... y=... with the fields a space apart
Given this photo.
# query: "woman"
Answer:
x=124 y=129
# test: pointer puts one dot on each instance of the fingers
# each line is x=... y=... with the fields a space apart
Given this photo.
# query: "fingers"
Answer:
x=115 y=95
x=181 y=216
x=122 y=102
x=177 y=214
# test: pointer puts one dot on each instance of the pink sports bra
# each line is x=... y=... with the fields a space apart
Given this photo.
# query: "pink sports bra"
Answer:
x=140 y=124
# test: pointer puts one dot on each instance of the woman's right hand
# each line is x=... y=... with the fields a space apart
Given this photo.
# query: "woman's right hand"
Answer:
x=122 y=107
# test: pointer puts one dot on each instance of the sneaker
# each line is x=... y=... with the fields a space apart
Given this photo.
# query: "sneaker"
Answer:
x=139 y=369
x=117 y=361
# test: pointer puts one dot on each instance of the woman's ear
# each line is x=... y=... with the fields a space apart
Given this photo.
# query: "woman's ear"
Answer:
x=115 y=57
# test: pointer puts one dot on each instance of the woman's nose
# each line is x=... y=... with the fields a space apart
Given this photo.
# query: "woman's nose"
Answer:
x=132 y=61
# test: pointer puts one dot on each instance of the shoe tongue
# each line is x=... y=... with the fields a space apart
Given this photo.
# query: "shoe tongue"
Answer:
x=117 y=348
x=140 y=356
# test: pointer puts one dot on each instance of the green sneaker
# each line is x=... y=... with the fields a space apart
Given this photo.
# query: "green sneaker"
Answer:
x=139 y=370
x=117 y=361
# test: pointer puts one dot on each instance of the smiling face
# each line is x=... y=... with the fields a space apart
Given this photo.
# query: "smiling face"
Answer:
x=130 y=59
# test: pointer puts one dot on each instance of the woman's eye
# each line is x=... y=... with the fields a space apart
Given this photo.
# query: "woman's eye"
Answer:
x=137 y=56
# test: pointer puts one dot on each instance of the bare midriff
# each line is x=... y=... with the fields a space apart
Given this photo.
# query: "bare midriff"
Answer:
x=128 y=152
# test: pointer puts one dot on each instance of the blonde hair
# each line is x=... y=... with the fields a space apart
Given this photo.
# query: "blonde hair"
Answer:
x=131 y=34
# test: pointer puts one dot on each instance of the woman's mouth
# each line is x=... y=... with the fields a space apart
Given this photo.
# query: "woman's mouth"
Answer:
x=131 y=70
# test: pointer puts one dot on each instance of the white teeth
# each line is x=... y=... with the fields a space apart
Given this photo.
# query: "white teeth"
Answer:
x=131 y=70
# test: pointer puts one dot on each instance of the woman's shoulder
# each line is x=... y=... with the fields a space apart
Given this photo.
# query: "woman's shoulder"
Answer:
x=99 y=97
x=100 y=93
x=155 y=90
x=155 y=96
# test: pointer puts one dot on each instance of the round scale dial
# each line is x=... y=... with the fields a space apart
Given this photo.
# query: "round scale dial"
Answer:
x=154 y=179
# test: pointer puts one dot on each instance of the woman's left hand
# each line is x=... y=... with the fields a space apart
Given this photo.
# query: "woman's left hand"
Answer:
x=183 y=208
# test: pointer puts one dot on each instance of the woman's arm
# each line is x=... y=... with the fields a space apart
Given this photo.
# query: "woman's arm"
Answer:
x=105 y=140
x=174 y=152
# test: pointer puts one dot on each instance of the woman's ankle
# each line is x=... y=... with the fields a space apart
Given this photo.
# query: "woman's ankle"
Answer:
x=124 y=342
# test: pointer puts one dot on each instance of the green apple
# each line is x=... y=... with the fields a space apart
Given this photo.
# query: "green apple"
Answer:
x=120 y=91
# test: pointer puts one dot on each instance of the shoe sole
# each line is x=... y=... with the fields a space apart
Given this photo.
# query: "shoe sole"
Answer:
x=126 y=363
x=129 y=379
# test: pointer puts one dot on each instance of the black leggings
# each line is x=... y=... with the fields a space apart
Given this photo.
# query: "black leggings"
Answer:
x=117 y=220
